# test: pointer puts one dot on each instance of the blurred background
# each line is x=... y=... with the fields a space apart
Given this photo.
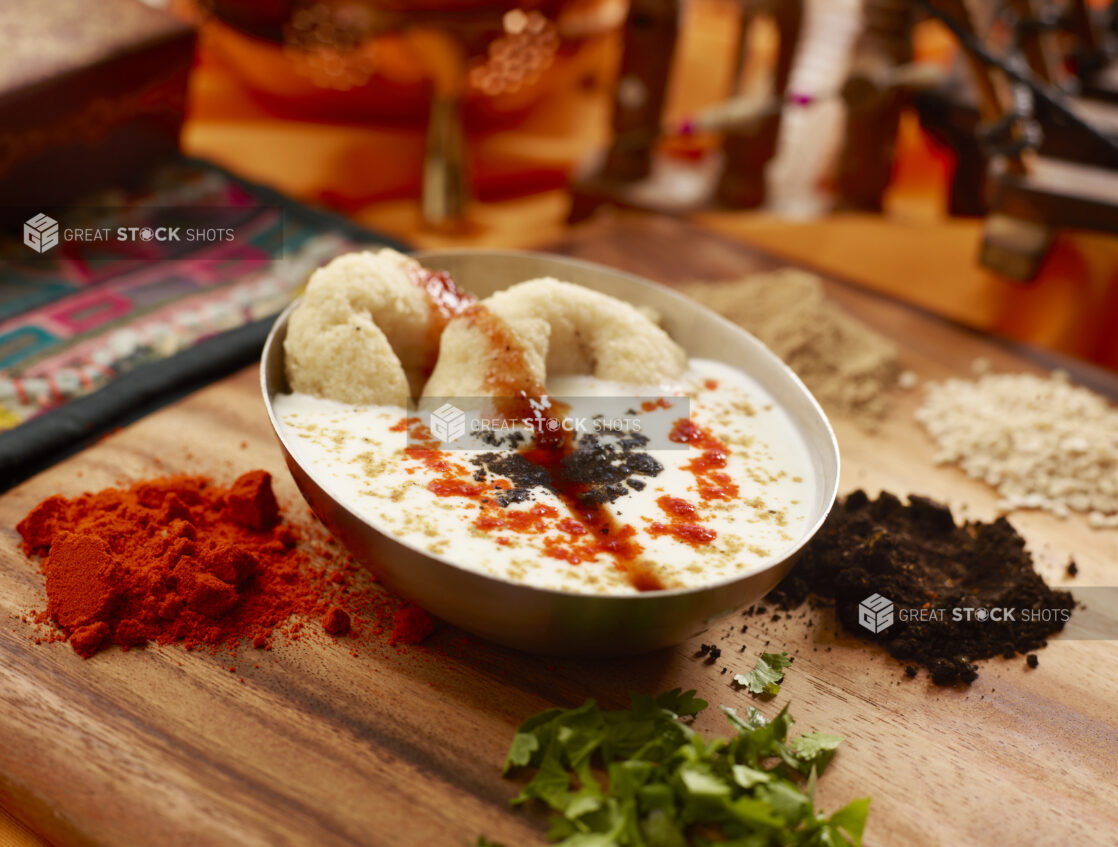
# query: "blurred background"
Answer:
x=958 y=155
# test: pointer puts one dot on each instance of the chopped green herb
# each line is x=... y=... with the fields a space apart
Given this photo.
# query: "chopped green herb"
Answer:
x=816 y=748
x=641 y=777
x=767 y=674
x=683 y=703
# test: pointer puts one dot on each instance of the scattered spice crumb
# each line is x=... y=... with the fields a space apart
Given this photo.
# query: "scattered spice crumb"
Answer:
x=336 y=621
x=410 y=625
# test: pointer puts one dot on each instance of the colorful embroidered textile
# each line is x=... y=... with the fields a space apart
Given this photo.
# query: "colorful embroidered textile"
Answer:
x=69 y=327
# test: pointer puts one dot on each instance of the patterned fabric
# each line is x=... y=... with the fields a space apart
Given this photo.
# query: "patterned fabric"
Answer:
x=69 y=327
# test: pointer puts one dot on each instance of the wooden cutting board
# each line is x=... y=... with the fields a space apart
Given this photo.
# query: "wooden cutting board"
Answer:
x=402 y=745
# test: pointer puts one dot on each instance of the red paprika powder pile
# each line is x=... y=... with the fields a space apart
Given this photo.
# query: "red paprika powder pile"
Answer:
x=181 y=559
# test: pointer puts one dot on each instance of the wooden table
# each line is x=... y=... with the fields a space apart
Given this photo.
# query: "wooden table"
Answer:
x=402 y=745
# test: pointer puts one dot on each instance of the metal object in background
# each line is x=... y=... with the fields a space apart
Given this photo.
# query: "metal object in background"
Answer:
x=555 y=622
x=1074 y=180
x=1014 y=247
x=445 y=192
x=952 y=14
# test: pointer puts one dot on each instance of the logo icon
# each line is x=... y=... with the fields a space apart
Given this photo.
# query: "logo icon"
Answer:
x=40 y=233
x=448 y=423
x=875 y=613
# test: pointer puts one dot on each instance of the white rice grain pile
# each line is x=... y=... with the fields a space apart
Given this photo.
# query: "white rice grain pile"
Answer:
x=1042 y=442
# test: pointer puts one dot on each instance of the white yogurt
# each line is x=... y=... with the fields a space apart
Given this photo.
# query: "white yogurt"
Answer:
x=358 y=455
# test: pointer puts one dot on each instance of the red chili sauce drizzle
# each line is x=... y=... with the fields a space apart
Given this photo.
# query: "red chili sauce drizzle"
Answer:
x=445 y=299
x=658 y=403
x=443 y=293
x=711 y=481
x=517 y=394
x=590 y=529
x=683 y=522
x=422 y=448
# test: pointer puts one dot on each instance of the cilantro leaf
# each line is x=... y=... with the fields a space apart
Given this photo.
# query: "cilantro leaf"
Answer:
x=747 y=777
x=701 y=781
x=815 y=749
x=640 y=777
x=524 y=744
x=661 y=830
x=754 y=719
x=551 y=783
x=681 y=702
x=588 y=839
x=767 y=674
x=852 y=819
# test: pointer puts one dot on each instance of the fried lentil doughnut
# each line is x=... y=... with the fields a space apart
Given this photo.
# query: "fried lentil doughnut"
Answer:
x=367 y=329
x=513 y=340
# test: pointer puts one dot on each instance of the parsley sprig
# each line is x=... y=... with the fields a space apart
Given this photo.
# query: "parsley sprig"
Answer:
x=666 y=786
x=767 y=674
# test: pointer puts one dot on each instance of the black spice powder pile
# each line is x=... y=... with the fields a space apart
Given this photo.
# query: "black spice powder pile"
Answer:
x=915 y=556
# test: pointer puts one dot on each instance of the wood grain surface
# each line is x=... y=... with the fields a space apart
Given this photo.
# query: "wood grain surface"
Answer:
x=310 y=744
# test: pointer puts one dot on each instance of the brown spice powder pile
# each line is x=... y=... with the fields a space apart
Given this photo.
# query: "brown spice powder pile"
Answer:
x=917 y=558
x=847 y=366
